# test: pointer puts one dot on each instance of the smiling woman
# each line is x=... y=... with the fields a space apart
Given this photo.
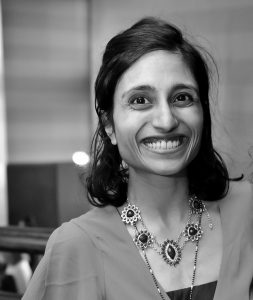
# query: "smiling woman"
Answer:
x=154 y=42
x=168 y=222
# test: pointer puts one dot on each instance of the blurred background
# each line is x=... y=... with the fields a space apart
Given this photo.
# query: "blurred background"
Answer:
x=50 y=53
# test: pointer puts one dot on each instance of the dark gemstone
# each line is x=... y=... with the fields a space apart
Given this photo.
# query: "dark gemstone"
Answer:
x=143 y=238
x=196 y=204
x=171 y=252
x=130 y=213
x=192 y=231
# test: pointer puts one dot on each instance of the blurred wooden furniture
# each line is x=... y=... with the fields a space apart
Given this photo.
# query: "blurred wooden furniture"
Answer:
x=30 y=240
x=9 y=296
x=24 y=239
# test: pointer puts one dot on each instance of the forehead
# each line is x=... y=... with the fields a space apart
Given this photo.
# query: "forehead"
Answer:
x=160 y=69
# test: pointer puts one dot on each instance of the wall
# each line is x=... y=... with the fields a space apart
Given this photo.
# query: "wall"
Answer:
x=47 y=80
x=225 y=28
x=47 y=104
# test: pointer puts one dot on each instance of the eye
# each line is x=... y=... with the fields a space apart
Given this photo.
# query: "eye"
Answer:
x=183 y=99
x=139 y=100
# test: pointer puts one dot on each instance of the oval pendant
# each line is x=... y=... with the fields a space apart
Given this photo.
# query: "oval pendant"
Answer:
x=171 y=252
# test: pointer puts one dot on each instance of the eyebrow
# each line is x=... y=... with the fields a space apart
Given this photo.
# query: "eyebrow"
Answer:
x=144 y=87
x=175 y=87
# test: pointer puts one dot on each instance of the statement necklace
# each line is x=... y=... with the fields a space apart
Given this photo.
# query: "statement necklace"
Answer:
x=169 y=249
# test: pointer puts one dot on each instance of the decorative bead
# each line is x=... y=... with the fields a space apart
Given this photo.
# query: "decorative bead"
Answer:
x=171 y=252
x=192 y=231
x=196 y=204
x=130 y=213
x=143 y=238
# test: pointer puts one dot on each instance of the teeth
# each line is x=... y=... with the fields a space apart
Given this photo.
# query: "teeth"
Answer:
x=163 y=145
x=170 y=144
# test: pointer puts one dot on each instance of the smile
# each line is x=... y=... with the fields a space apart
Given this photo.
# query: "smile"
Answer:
x=158 y=144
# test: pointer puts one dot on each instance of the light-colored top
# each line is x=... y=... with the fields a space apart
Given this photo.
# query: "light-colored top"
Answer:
x=21 y=273
x=93 y=257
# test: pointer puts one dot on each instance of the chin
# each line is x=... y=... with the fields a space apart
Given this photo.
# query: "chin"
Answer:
x=177 y=170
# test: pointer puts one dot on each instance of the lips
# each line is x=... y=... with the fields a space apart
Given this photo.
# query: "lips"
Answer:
x=164 y=143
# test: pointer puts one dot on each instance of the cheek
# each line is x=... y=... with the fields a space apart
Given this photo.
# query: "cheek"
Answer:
x=125 y=127
x=196 y=120
x=193 y=119
x=125 y=134
x=122 y=136
x=196 y=126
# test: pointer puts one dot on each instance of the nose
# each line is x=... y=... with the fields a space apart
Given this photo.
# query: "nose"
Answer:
x=164 y=118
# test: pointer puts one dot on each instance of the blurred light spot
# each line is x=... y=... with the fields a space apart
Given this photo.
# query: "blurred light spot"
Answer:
x=80 y=158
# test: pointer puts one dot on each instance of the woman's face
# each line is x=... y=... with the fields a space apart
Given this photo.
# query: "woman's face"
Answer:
x=157 y=115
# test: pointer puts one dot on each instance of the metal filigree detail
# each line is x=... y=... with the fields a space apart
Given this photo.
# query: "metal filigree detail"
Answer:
x=171 y=252
x=196 y=205
x=131 y=214
x=193 y=232
x=143 y=239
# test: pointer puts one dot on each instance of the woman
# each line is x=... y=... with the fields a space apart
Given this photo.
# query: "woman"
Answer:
x=169 y=224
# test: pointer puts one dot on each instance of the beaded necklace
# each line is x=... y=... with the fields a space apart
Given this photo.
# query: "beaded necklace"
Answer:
x=170 y=250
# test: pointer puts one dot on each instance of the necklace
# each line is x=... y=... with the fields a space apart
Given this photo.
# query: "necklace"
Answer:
x=170 y=250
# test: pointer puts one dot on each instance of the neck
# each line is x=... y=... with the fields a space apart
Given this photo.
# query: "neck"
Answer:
x=163 y=200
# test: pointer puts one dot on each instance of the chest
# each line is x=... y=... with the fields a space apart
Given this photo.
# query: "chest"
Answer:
x=208 y=259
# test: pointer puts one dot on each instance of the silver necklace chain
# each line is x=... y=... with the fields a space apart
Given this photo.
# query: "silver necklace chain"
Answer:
x=193 y=273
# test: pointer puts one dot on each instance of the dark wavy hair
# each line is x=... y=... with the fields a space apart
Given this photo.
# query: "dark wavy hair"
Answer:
x=107 y=180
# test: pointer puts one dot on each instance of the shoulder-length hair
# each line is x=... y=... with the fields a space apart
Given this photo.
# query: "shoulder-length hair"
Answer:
x=107 y=180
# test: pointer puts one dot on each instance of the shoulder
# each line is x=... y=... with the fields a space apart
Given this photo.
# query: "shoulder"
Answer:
x=83 y=230
x=238 y=199
x=72 y=267
x=237 y=208
x=73 y=252
x=243 y=187
x=68 y=243
x=240 y=196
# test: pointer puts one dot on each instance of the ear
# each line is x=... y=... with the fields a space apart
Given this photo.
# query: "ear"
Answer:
x=110 y=132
